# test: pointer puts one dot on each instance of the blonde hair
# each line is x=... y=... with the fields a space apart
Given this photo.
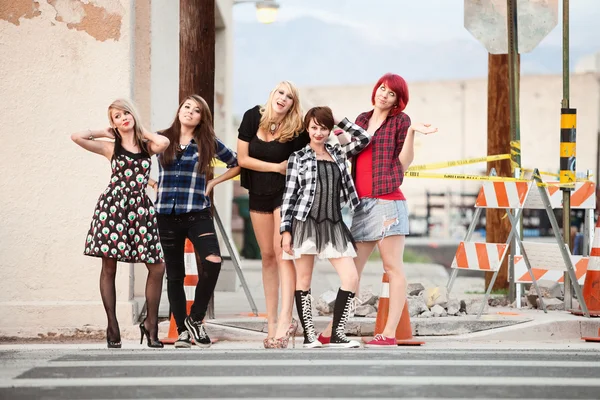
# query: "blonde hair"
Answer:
x=291 y=125
x=125 y=105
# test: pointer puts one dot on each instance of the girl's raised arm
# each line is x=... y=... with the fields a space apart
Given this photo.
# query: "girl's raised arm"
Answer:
x=86 y=139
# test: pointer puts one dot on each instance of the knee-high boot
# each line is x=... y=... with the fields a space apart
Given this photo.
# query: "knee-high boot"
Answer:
x=341 y=313
x=304 y=307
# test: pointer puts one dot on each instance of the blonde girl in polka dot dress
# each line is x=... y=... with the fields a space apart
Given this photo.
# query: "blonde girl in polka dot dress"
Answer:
x=124 y=226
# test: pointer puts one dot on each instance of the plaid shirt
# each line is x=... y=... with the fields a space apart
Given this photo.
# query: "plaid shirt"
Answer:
x=388 y=141
x=301 y=179
x=181 y=189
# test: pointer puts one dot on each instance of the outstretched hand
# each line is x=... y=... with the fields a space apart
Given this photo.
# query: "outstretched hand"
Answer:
x=425 y=129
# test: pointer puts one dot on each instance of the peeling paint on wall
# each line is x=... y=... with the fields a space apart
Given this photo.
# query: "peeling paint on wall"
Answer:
x=96 y=21
x=13 y=10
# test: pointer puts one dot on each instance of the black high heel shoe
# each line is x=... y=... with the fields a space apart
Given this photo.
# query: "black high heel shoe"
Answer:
x=112 y=344
x=154 y=343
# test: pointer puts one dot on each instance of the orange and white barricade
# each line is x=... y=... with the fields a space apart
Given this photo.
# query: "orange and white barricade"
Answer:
x=522 y=275
x=488 y=257
x=517 y=195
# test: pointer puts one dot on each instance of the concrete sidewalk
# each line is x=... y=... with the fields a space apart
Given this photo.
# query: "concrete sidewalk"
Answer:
x=235 y=321
x=231 y=304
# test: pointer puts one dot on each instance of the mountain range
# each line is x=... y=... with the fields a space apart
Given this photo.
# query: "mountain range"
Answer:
x=311 y=52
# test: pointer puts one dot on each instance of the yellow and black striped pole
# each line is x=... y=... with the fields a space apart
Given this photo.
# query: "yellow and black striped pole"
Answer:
x=568 y=129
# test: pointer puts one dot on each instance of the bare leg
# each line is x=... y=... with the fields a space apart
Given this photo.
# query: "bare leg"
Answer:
x=363 y=252
x=287 y=281
x=304 y=271
x=108 y=293
x=347 y=271
x=391 y=249
x=263 y=230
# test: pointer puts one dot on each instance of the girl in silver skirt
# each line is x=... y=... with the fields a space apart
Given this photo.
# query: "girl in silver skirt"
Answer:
x=317 y=183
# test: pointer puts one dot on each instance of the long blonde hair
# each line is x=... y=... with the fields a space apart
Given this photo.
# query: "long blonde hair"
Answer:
x=291 y=125
x=138 y=129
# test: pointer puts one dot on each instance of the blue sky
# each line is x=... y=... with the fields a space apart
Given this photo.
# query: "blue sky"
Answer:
x=427 y=21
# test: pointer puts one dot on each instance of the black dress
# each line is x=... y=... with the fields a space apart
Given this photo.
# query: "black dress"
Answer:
x=324 y=232
x=124 y=224
x=265 y=188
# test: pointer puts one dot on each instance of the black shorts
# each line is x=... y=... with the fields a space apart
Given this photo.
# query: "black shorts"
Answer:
x=265 y=203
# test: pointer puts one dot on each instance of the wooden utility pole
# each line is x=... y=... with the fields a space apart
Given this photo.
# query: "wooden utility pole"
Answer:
x=197 y=65
x=197 y=50
x=498 y=142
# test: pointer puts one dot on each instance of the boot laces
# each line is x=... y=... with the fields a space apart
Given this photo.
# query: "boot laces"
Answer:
x=340 y=329
x=309 y=326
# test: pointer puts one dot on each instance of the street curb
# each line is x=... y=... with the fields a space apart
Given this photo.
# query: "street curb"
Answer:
x=441 y=326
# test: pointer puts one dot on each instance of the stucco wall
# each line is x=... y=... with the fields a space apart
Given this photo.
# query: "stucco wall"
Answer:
x=61 y=64
x=60 y=67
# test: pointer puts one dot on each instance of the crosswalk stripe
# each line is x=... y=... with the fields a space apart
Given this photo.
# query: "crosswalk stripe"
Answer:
x=303 y=363
x=303 y=380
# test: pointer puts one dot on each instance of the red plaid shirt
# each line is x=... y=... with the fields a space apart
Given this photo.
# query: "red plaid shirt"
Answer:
x=387 y=143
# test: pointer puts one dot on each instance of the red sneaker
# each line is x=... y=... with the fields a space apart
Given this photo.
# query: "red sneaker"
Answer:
x=381 y=341
x=325 y=340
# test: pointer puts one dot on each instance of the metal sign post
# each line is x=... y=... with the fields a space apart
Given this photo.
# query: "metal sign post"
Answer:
x=568 y=125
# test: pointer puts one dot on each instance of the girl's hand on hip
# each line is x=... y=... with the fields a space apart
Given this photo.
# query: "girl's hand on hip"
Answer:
x=209 y=187
x=282 y=167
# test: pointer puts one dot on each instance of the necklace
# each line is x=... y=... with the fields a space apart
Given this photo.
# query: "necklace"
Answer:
x=273 y=128
x=182 y=147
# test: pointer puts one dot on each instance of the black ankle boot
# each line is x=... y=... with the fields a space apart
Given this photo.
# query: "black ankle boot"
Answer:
x=341 y=313
x=304 y=307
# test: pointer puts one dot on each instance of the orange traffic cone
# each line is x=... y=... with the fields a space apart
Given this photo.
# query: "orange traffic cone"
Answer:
x=189 y=285
x=591 y=285
x=404 y=335
x=592 y=339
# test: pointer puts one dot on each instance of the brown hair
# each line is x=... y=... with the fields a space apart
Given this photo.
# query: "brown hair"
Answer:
x=323 y=116
x=204 y=136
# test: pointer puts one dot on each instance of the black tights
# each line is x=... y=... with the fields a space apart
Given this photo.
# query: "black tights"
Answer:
x=109 y=297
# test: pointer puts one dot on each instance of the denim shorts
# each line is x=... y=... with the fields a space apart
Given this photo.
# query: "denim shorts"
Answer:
x=369 y=219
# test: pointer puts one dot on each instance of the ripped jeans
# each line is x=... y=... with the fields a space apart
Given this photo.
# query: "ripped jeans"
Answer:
x=376 y=219
x=199 y=228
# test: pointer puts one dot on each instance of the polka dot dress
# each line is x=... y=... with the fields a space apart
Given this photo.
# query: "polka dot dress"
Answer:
x=124 y=224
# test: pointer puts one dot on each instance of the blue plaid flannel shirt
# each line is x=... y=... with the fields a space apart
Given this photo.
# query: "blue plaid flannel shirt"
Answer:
x=181 y=189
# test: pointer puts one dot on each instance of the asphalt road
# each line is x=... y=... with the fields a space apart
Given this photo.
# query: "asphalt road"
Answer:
x=503 y=372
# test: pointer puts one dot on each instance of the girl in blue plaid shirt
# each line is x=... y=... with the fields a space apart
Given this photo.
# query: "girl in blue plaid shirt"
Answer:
x=183 y=206
x=317 y=182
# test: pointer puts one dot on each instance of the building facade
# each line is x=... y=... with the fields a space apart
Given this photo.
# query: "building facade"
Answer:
x=62 y=62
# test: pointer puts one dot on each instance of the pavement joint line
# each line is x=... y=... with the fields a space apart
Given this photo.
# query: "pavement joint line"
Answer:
x=307 y=362
x=302 y=380
x=100 y=349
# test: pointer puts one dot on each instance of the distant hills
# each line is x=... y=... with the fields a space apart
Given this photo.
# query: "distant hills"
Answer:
x=311 y=52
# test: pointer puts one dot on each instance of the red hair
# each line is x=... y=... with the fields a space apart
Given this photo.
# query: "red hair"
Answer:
x=398 y=85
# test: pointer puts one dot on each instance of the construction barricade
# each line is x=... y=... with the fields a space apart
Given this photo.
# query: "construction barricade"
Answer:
x=514 y=195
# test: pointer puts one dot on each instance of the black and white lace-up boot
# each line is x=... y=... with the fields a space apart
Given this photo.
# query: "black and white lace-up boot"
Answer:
x=304 y=307
x=341 y=313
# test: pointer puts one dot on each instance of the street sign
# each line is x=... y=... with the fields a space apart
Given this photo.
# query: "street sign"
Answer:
x=486 y=21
